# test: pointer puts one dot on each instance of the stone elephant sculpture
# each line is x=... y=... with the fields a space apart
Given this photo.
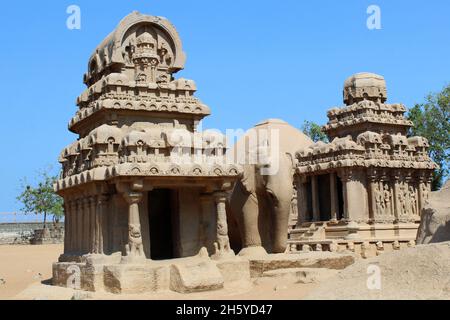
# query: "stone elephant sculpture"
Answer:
x=260 y=202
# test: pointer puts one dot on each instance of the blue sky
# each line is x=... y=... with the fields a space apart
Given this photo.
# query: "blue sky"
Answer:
x=251 y=60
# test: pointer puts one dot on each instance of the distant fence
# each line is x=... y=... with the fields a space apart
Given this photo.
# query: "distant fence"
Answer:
x=14 y=217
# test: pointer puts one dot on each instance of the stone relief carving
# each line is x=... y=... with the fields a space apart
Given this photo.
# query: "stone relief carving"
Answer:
x=134 y=248
x=387 y=197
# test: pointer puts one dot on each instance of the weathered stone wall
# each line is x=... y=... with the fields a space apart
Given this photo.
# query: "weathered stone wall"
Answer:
x=19 y=233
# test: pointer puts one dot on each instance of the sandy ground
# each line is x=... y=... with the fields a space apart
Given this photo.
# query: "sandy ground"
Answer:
x=267 y=291
x=419 y=273
x=23 y=268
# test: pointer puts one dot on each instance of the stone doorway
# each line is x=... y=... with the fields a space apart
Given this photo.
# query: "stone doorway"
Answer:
x=324 y=196
x=162 y=208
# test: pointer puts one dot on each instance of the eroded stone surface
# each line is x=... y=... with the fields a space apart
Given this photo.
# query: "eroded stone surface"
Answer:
x=300 y=275
x=422 y=272
x=78 y=276
x=136 y=278
x=435 y=223
x=195 y=276
x=234 y=270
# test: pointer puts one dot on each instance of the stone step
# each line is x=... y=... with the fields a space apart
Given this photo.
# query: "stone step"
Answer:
x=300 y=275
x=328 y=260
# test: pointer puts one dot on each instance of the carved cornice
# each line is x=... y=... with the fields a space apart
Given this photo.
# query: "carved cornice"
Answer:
x=149 y=170
x=348 y=163
x=192 y=107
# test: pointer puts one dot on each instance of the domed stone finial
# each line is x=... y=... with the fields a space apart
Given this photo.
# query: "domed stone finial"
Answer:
x=365 y=86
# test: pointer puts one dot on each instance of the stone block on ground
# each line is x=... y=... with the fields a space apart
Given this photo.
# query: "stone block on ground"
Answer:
x=328 y=260
x=195 y=276
x=79 y=276
x=136 y=278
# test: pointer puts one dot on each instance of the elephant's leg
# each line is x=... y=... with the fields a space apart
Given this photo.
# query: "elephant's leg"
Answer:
x=250 y=217
x=251 y=233
x=280 y=223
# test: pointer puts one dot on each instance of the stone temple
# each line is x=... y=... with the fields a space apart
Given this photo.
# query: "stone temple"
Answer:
x=141 y=181
x=364 y=190
x=153 y=203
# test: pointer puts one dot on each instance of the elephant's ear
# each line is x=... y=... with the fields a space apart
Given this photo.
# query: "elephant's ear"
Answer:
x=249 y=179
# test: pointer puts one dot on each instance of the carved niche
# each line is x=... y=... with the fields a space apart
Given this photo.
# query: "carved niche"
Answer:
x=150 y=51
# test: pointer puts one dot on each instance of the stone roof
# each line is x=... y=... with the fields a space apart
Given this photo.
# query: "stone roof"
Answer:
x=135 y=118
x=366 y=132
x=365 y=86
x=109 y=51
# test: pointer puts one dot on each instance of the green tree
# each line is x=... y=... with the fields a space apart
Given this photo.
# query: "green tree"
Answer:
x=432 y=120
x=41 y=199
x=314 y=131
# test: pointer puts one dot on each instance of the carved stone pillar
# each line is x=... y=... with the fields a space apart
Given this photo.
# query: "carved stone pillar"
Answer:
x=334 y=201
x=73 y=225
x=102 y=229
x=86 y=225
x=345 y=180
x=134 y=248
x=66 y=226
x=222 y=245
x=79 y=224
x=355 y=196
x=302 y=201
x=93 y=225
x=315 y=198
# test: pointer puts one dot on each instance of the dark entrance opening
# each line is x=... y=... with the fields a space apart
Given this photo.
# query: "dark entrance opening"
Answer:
x=324 y=197
x=161 y=208
x=309 y=207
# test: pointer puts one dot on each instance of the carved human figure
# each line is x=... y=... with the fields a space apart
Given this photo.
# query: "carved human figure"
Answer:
x=294 y=205
x=379 y=201
x=425 y=194
x=413 y=201
x=165 y=56
x=407 y=203
x=401 y=201
x=128 y=52
x=387 y=199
